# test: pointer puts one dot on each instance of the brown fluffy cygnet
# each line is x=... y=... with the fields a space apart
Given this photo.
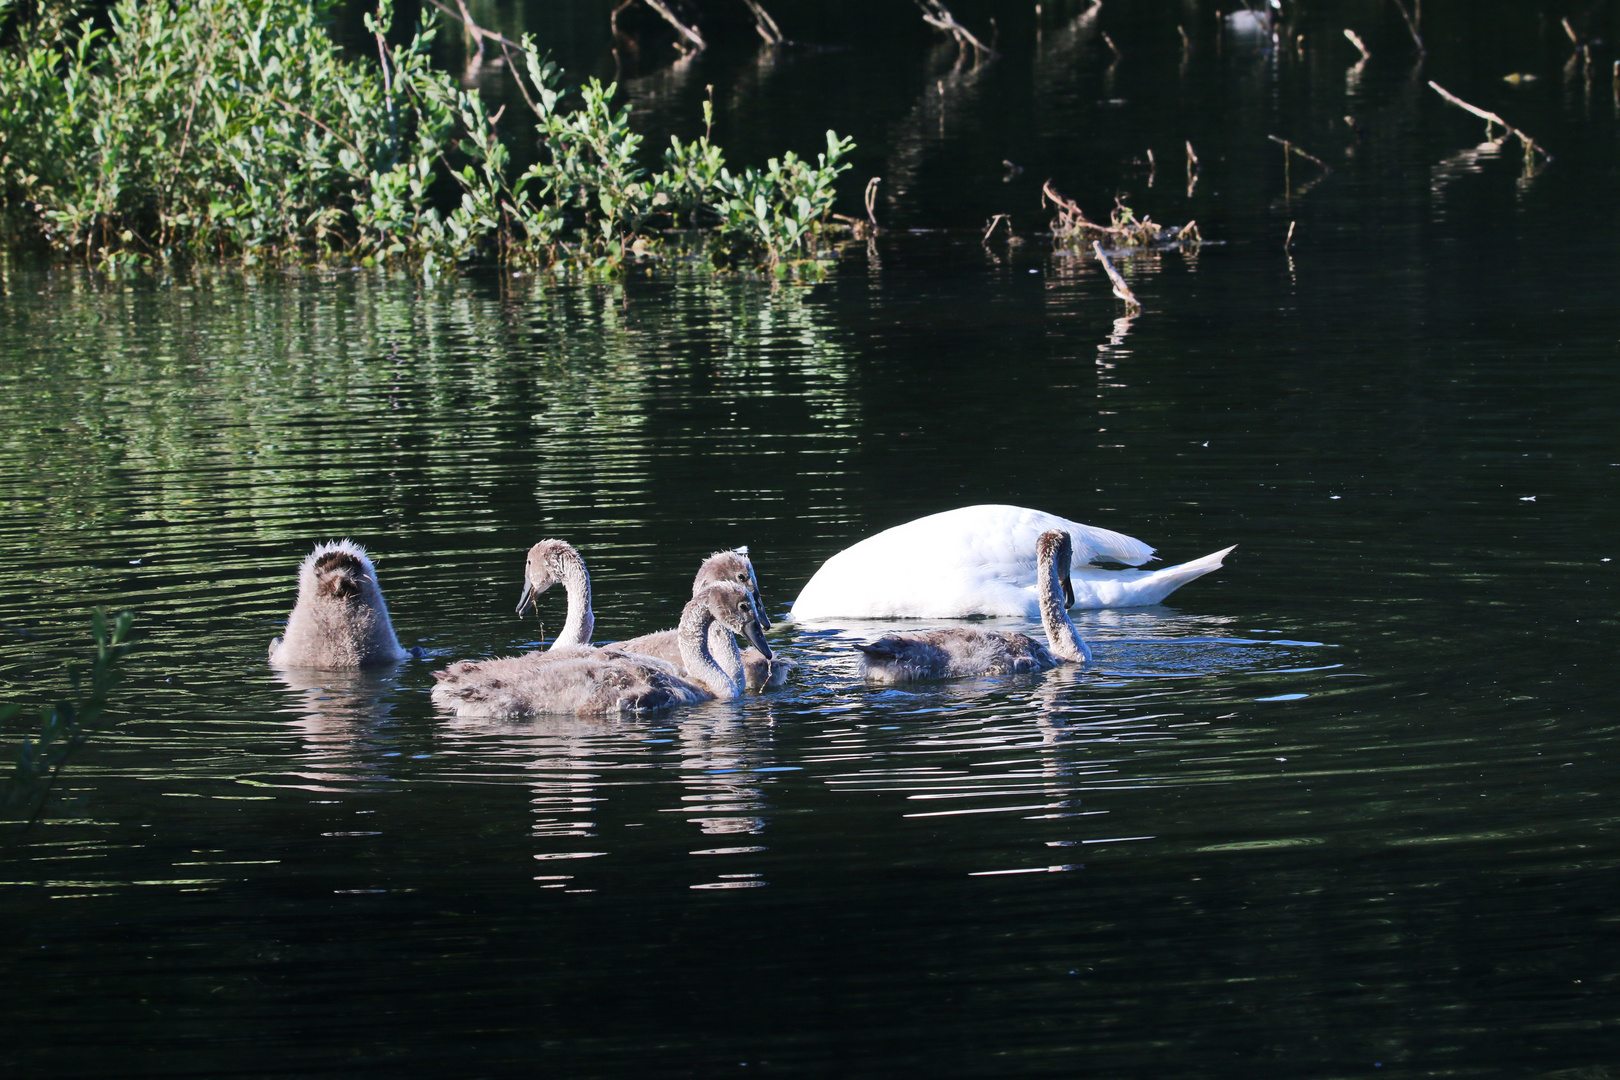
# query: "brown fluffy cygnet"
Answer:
x=583 y=680
x=751 y=667
x=959 y=651
x=340 y=619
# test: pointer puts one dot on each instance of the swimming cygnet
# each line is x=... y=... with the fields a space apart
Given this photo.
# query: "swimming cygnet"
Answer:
x=550 y=562
x=963 y=650
x=754 y=669
x=340 y=619
x=584 y=680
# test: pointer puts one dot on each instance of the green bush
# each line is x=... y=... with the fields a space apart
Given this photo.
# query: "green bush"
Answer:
x=236 y=129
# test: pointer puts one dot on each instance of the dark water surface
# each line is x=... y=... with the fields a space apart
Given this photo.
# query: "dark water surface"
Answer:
x=1344 y=808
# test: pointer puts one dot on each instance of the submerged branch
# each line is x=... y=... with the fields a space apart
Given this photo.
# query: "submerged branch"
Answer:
x=765 y=24
x=1290 y=148
x=478 y=32
x=694 y=40
x=1124 y=230
x=1121 y=290
x=1411 y=25
x=937 y=15
x=1530 y=145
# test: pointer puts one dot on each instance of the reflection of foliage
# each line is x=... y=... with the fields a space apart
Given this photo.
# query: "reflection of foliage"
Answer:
x=65 y=726
x=238 y=129
x=152 y=401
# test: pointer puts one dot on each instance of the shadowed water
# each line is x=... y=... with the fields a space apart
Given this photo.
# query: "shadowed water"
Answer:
x=1341 y=808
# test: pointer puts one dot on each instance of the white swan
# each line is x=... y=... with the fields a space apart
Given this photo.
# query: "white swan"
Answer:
x=958 y=651
x=582 y=680
x=550 y=562
x=979 y=560
x=340 y=619
x=751 y=667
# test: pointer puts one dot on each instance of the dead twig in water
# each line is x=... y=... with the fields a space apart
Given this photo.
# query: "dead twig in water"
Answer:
x=1121 y=290
x=869 y=228
x=693 y=41
x=765 y=24
x=478 y=33
x=1288 y=243
x=999 y=219
x=1530 y=145
x=1411 y=25
x=1290 y=148
x=1192 y=169
x=1124 y=230
x=1355 y=39
x=937 y=15
x=1112 y=47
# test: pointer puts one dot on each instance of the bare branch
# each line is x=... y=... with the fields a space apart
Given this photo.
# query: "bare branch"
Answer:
x=1530 y=145
x=1411 y=25
x=765 y=24
x=695 y=42
x=937 y=15
x=1290 y=148
x=478 y=32
x=1121 y=290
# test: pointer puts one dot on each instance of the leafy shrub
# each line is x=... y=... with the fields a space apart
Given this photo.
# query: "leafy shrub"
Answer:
x=237 y=129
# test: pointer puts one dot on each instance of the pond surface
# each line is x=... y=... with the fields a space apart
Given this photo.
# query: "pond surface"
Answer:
x=1343 y=808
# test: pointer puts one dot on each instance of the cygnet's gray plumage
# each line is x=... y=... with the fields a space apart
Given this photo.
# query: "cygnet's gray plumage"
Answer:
x=582 y=680
x=340 y=619
x=755 y=670
x=551 y=562
x=960 y=651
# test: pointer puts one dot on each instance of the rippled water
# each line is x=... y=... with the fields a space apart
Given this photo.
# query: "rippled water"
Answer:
x=1343 y=808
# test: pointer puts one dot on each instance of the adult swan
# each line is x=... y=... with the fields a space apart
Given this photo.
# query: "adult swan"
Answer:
x=980 y=560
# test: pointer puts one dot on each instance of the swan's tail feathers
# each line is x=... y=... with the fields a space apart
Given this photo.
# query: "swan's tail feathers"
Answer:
x=1158 y=584
x=1092 y=543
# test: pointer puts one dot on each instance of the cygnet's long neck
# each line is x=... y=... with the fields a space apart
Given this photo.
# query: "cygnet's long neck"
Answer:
x=693 y=635
x=569 y=568
x=723 y=647
x=1063 y=639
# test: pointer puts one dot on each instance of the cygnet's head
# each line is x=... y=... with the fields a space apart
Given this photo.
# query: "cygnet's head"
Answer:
x=733 y=566
x=339 y=571
x=546 y=565
x=733 y=607
x=1057 y=544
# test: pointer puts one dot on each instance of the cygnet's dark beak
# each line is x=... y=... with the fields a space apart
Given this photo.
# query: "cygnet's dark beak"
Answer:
x=759 y=606
x=530 y=598
x=756 y=637
x=1068 y=589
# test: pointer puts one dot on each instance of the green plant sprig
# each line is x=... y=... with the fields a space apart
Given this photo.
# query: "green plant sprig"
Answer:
x=65 y=726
